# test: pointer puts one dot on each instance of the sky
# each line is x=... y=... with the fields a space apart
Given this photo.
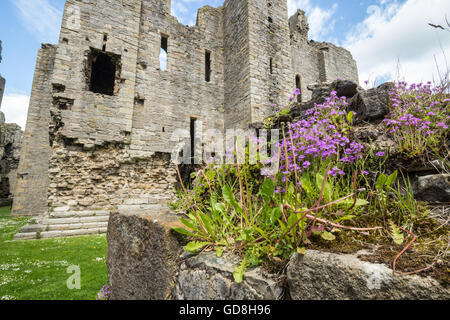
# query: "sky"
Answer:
x=389 y=39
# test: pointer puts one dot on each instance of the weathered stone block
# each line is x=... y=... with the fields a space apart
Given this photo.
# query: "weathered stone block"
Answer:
x=329 y=276
x=433 y=188
x=143 y=251
x=207 y=277
x=372 y=104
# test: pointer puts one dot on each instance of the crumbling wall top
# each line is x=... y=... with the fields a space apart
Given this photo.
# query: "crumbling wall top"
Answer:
x=298 y=24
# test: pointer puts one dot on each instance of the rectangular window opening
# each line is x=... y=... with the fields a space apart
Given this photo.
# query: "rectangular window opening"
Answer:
x=298 y=85
x=163 y=52
x=192 y=135
x=103 y=70
x=207 y=66
x=271 y=65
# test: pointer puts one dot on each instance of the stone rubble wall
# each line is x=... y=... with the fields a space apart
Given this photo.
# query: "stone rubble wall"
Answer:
x=106 y=178
x=11 y=136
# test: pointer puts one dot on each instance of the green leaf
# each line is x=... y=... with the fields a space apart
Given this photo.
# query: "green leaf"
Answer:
x=391 y=179
x=228 y=195
x=276 y=214
x=381 y=181
x=359 y=202
x=306 y=184
x=219 y=252
x=282 y=226
x=292 y=221
x=208 y=224
x=184 y=232
x=220 y=207
x=210 y=174
x=291 y=189
x=213 y=199
x=397 y=234
x=328 y=189
x=328 y=236
x=195 y=246
x=350 y=116
x=239 y=272
x=263 y=234
x=189 y=223
x=267 y=189
x=345 y=218
x=301 y=251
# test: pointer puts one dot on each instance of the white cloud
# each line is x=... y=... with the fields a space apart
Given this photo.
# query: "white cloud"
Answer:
x=41 y=18
x=320 y=20
x=15 y=108
x=395 y=41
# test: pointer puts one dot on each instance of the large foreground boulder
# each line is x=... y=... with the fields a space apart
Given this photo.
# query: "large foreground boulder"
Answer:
x=329 y=276
x=143 y=251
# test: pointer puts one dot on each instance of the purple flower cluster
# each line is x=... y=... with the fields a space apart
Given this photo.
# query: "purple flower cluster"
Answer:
x=319 y=137
x=419 y=115
x=105 y=293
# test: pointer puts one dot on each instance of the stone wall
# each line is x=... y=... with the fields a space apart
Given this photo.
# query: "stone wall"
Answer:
x=237 y=64
x=107 y=178
x=270 y=57
x=32 y=174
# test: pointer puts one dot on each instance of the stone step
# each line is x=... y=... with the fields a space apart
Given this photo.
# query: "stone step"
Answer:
x=78 y=214
x=75 y=226
x=65 y=224
x=56 y=221
x=59 y=234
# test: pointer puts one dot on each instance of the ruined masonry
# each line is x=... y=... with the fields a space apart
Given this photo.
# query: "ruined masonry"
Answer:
x=103 y=111
x=10 y=141
x=2 y=80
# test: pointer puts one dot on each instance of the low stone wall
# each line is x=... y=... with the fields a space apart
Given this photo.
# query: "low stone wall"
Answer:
x=146 y=262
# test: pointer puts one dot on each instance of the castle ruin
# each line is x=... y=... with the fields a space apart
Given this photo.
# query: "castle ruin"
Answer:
x=10 y=141
x=2 y=80
x=103 y=110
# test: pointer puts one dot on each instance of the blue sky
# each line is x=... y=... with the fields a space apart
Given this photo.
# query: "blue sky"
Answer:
x=389 y=39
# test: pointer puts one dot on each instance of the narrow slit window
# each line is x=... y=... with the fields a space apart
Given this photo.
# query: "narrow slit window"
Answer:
x=271 y=66
x=270 y=19
x=192 y=134
x=298 y=85
x=207 y=66
x=163 y=53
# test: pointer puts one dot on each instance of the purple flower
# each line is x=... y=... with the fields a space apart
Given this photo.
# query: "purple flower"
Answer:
x=381 y=154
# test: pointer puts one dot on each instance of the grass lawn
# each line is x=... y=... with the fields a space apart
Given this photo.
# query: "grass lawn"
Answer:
x=37 y=269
